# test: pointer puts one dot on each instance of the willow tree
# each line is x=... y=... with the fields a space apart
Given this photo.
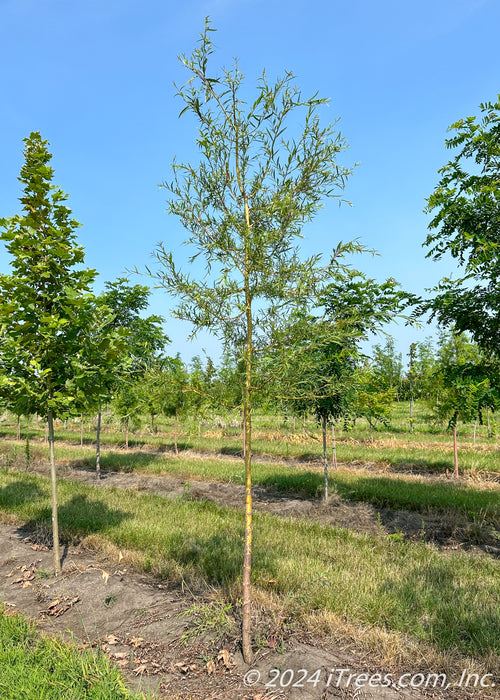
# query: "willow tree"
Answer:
x=265 y=169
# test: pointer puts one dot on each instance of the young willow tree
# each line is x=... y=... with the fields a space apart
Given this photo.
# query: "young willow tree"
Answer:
x=45 y=304
x=260 y=178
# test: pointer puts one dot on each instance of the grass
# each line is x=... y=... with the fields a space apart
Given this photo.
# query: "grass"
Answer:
x=391 y=491
x=33 y=667
x=448 y=599
x=428 y=448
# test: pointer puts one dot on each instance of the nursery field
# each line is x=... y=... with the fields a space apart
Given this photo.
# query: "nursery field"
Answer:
x=399 y=572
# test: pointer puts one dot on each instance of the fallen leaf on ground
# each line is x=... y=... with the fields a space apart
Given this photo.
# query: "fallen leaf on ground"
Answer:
x=140 y=670
x=120 y=655
x=224 y=656
x=60 y=606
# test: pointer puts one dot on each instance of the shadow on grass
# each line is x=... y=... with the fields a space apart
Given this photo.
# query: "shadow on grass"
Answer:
x=395 y=493
x=18 y=493
x=232 y=451
x=385 y=492
x=115 y=462
x=78 y=518
x=219 y=557
x=448 y=619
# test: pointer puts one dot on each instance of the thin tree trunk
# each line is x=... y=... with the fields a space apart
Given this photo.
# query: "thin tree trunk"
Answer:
x=334 y=447
x=247 y=554
x=304 y=425
x=411 y=413
x=55 y=524
x=81 y=430
x=126 y=431
x=488 y=421
x=475 y=431
x=325 y=460
x=18 y=432
x=246 y=631
x=455 y=451
x=244 y=433
x=175 y=433
x=293 y=424
x=98 y=446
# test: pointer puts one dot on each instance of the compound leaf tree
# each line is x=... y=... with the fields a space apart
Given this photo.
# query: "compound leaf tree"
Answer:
x=266 y=167
x=135 y=342
x=469 y=392
x=45 y=304
x=466 y=224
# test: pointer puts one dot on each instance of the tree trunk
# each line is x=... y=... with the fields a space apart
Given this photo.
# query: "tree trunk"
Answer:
x=18 y=432
x=411 y=413
x=455 y=451
x=246 y=631
x=304 y=432
x=488 y=421
x=325 y=460
x=175 y=433
x=81 y=430
x=98 y=446
x=46 y=431
x=475 y=431
x=126 y=431
x=334 y=447
x=244 y=433
x=55 y=524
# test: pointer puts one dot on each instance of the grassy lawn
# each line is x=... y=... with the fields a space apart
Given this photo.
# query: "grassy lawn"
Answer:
x=450 y=600
x=428 y=448
x=33 y=667
x=391 y=491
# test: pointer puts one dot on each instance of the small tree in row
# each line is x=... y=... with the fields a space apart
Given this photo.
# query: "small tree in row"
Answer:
x=47 y=312
x=244 y=205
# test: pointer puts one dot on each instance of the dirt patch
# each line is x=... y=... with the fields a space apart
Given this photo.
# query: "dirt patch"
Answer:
x=139 y=623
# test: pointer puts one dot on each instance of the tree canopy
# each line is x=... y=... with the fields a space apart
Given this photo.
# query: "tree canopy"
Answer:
x=466 y=224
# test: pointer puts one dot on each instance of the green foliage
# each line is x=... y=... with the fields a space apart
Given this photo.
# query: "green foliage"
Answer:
x=469 y=392
x=144 y=337
x=45 y=305
x=387 y=367
x=245 y=202
x=466 y=224
x=373 y=403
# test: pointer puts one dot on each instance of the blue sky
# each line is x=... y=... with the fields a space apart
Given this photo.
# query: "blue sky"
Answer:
x=96 y=79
